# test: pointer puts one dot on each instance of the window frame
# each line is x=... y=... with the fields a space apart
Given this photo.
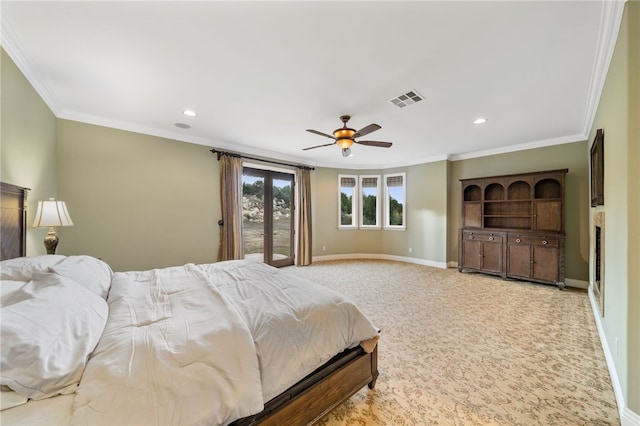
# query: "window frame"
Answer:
x=354 y=202
x=361 y=223
x=387 y=215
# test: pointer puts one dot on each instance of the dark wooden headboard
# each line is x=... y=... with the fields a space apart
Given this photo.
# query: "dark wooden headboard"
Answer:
x=13 y=221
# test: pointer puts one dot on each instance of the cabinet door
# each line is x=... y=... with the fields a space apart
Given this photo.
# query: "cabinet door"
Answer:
x=472 y=215
x=548 y=215
x=519 y=260
x=492 y=257
x=545 y=263
x=471 y=254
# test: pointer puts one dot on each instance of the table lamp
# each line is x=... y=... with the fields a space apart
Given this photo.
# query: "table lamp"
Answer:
x=50 y=214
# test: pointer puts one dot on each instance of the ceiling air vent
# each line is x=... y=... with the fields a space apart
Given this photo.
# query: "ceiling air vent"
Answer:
x=406 y=99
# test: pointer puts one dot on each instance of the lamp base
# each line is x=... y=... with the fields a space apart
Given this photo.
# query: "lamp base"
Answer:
x=51 y=241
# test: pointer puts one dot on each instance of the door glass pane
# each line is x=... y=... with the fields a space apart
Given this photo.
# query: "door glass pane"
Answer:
x=253 y=216
x=282 y=220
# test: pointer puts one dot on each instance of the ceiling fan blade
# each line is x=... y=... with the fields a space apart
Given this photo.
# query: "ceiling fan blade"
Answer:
x=320 y=133
x=318 y=146
x=375 y=143
x=366 y=130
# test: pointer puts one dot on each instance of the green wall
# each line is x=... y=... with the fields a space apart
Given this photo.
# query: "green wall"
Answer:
x=618 y=115
x=137 y=201
x=28 y=147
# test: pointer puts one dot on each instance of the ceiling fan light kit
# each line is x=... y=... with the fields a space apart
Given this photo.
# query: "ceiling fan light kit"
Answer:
x=345 y=137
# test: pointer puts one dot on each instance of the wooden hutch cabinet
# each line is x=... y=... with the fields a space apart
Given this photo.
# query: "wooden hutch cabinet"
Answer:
x=513 y=226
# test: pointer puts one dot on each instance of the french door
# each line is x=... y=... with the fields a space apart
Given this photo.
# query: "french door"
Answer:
x=267 y=215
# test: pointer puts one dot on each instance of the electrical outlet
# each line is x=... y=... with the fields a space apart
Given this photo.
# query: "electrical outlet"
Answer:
x=410 y=249
x=324 y=248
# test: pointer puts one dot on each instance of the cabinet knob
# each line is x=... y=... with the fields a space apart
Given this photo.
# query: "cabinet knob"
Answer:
x=544 y=242
x=517 y=240
x=490 y=238
x=471 y=237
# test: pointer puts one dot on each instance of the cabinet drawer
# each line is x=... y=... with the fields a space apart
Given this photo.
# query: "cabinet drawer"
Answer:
x=541 y=240
x=483 y=236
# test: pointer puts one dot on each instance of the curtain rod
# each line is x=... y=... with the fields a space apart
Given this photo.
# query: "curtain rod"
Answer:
x=233 y=154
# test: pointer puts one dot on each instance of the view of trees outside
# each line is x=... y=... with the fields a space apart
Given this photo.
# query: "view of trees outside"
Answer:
x=253 y=215
x=346 y=206
x=369 y=206
x=395 y=206
x=369 y=203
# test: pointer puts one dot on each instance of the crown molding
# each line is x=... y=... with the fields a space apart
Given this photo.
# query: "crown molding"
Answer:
x=11 y=45
x=174 y=135
x=610 y=20
x=578 y=137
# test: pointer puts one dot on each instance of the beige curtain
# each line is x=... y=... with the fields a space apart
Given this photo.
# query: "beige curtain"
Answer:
x=231 y=202
x=303 y=218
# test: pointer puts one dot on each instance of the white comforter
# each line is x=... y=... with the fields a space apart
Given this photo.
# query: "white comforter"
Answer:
x=296 y=325
x=200 y=344
x=174 y=351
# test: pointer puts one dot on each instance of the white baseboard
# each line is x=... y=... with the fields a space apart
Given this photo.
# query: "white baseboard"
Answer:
x=570 y=282
x=627 y=417
x=441 y=265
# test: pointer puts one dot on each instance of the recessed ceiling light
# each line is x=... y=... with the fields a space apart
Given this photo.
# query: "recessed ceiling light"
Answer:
x=189 y=113
x=480 y=121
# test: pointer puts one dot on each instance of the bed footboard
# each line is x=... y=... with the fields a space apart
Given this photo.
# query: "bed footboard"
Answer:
x=320 y=392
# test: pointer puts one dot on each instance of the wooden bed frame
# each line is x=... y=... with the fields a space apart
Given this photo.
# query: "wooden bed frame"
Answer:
x=321 y=391
x=13 y=223
x=303 y=404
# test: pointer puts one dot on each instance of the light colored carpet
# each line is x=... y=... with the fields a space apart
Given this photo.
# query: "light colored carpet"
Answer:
x=470 y=349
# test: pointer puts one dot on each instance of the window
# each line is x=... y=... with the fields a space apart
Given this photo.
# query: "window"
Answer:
x=348 y=201
x=395 y=212
x=369 y=206
x=360 y=202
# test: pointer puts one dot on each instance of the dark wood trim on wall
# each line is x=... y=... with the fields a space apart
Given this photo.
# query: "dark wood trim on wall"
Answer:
x=597 y=169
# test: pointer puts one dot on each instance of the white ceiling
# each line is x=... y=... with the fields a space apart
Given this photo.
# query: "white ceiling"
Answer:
x=259 y=73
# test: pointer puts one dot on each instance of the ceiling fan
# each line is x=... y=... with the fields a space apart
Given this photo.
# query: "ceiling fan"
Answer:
x=346 y=136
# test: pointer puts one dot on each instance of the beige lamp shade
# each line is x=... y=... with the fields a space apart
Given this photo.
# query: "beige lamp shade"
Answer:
x=52 y=213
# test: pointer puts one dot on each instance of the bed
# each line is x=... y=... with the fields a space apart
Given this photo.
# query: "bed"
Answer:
x=235 y=342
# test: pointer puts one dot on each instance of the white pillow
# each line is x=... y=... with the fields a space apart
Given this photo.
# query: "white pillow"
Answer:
x=92 y=273
x=22 y=268
x=49 y=328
